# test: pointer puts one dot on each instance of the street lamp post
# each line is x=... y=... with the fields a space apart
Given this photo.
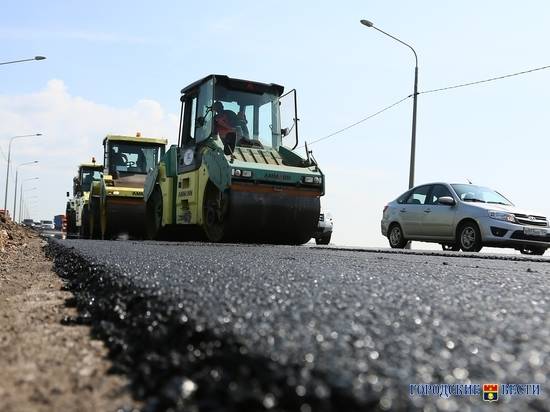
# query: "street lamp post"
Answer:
x=8 y=167
x=415 y=98
x=24 y=60
x=15 y=190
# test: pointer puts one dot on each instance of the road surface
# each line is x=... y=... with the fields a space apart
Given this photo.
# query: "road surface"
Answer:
x=245 y=327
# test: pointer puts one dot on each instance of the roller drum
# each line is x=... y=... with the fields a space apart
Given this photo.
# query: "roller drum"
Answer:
x=272 y=216
x=124 y=215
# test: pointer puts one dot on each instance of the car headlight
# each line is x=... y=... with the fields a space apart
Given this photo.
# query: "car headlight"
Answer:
x=507 y=217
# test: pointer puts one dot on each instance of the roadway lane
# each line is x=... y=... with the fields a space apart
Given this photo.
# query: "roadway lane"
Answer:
x=237 y=327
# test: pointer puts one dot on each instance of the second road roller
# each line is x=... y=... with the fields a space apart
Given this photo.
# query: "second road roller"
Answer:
x=116 y=203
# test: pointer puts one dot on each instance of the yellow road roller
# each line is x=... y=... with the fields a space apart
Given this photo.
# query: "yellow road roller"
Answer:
x=116 y=203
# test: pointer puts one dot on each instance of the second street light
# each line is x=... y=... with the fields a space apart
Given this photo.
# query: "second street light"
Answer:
x=415 y=96
x=8 y=166
x=15 y=190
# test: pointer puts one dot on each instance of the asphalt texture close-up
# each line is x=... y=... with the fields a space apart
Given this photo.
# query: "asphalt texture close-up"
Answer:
x=210 y=327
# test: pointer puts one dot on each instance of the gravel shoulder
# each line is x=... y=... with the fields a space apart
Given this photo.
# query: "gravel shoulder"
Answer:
x=47 y=361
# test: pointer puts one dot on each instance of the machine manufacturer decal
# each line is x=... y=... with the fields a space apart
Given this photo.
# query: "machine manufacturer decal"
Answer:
x=277 y=176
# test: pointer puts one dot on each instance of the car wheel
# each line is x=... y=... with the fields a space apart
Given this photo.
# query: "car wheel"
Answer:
x=395 y=236
x=469 y=237
x=533 y=250
x=450 y=246
x=323 y=240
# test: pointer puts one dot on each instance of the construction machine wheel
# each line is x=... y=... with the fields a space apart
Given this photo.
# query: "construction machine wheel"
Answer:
x=215 y=216
x=104 y=222
x=259 y=215
x=122 y=216
x=95 y=231
x=153 y=212
x=84 y=231
x=71 y=223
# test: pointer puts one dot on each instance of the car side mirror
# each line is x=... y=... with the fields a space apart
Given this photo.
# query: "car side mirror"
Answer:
x=446 y=200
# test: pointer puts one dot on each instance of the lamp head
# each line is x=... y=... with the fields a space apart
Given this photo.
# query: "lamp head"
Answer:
x=367 y=23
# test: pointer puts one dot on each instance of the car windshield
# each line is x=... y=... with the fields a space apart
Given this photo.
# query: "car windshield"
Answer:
x=472 y=193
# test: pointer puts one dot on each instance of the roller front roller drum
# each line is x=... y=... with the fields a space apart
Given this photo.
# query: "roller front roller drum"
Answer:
x=123 y=215
x=261 y=216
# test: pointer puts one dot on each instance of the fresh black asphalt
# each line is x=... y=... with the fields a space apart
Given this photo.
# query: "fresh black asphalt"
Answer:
x=205 y=327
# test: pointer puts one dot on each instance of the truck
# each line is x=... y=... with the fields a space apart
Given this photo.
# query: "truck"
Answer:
x=230 y=178
x=58 y=221
x=77 y=211
x=116 y=203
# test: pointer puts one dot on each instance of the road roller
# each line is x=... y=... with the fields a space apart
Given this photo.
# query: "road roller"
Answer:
x=116 y=203
x=235 y=174
x=77 y=212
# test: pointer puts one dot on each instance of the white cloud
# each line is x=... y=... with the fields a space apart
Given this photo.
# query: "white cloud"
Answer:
x=73 y=129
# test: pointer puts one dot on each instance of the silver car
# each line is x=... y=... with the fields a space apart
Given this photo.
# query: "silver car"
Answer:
x=463 y=216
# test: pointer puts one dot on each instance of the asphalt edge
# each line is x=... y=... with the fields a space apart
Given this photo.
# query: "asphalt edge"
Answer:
x=157 y=350
x=450 y=254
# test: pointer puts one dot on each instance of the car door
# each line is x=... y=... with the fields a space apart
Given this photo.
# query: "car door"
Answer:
x=411 y=211
x=438 y=220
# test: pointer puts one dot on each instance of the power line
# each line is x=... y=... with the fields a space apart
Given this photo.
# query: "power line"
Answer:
x=426 y=92
x=492 y=79
x=360 y=121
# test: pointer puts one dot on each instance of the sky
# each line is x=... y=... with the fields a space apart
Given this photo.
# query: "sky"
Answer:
x=118 y=67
